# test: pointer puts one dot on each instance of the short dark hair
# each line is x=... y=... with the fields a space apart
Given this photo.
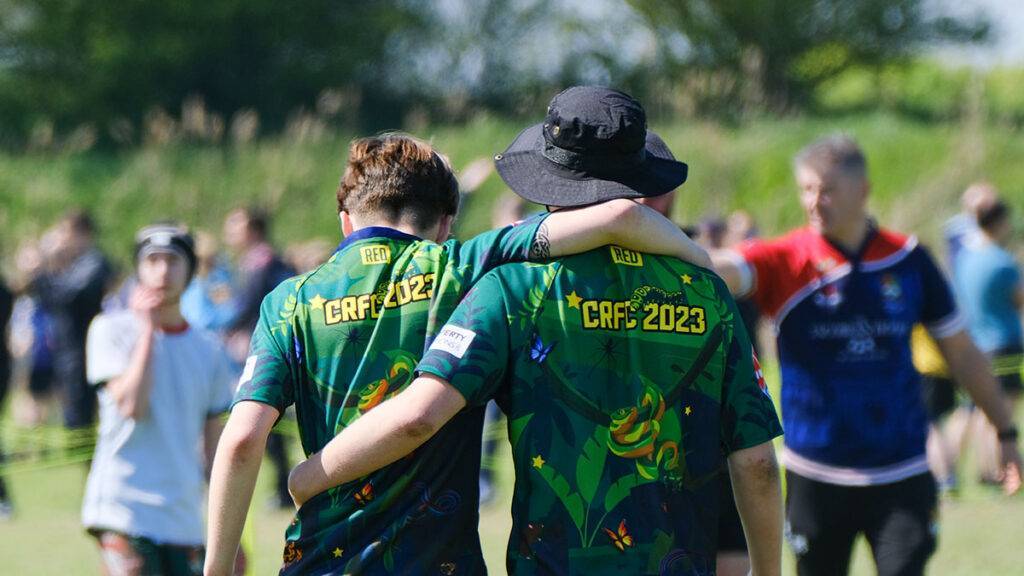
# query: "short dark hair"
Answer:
x=397 y=176
x=993 y=215
x=80 y=221
x=836 y=151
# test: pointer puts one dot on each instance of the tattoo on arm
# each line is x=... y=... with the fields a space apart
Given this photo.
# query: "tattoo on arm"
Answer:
x=541 y=247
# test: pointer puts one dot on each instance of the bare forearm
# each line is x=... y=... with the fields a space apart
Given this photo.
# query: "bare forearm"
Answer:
x=621 y=222
x=758 y=492
x=645 y=230
x=131 y=389
x=211 y=437
x=373 y=441
x=972 y=370
x=232 y=482
x=379 y=437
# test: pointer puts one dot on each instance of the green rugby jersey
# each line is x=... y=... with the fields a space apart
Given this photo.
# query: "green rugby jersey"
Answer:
x=342 y=339
x=626 y=378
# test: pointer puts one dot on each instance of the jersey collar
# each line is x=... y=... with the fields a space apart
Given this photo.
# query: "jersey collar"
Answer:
x=375 y=232
x=858 y=255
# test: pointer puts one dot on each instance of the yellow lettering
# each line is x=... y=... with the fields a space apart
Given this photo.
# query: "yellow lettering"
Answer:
x=332 y=312
x=589 y=309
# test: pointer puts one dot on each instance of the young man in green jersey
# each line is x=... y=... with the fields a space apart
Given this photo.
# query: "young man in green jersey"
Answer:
x=338 y=341
x=627 y=378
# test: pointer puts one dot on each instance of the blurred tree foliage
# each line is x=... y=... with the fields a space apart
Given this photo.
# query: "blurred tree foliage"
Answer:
x=106 y=61
x=774 y=53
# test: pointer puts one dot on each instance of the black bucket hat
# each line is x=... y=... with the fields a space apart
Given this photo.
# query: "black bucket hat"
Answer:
x=593 y=146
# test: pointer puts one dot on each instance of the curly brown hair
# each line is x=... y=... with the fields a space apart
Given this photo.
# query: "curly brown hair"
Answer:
x=398 y=177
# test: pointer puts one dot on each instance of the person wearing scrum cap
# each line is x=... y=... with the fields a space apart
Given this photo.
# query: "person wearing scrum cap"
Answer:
x=162 y=388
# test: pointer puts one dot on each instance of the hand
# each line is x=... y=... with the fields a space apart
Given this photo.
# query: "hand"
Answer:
x=146 y=302
x=1012 y=466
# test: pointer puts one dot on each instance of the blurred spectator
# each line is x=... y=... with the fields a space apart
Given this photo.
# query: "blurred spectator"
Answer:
x=259 y=270
x=989 y=286
x=163 y=387
x=32 y=340
x=945 y=430
x=965 y=224
x=739 y=227
x=6 y=306
x=68 y=278
x=711 y=233
x=207 y=302
x=306 y=256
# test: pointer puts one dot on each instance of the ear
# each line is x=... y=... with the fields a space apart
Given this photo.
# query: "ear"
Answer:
x=346 y=223
x=444 y=228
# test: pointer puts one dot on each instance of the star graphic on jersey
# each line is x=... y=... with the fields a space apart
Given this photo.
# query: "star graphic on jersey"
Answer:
x=538 y=462
x=687 y=279
x=317 y=302
x=338 y=552
x=688 y=411
x=574 y=300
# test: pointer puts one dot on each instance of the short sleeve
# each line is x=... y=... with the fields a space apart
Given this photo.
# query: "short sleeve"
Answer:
x=939 y=312
x=501 y=246
x=472 y=350
x=108 y=350
x=267 y=375
x=761 y=262
x=748 y=413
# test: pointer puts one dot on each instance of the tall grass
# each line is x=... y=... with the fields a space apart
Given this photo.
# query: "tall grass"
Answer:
x=918 y=170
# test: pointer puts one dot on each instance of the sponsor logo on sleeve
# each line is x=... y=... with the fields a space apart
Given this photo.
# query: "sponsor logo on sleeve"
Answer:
x=248 y=371
x=453 y=340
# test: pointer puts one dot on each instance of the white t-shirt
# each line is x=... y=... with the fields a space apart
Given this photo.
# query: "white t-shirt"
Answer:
x=147 y=475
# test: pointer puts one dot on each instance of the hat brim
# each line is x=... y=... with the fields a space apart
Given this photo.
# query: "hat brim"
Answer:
x=530 y=175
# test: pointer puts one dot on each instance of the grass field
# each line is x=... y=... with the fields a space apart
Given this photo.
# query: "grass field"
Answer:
x=918 y=172
x=979 y=533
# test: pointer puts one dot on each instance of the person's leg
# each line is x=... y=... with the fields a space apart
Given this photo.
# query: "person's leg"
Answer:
x=732 y=559
x=126 y=556
x=903 y=528
x=492 y=418
x=940 y=400
x=822 y=521
x=182 y=560
x=277 y=451
x=79 y=397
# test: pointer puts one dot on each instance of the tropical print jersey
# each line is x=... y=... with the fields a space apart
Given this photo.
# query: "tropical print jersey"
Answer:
x=340 y=340
x=626 y=379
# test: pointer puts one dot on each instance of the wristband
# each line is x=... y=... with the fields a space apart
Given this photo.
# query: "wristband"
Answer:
x=1008 y=435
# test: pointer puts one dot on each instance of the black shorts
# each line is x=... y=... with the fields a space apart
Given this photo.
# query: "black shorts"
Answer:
x=730 y=528
x=41 y=381
x=939 y=396
x=1006 y=364
x=899 y=520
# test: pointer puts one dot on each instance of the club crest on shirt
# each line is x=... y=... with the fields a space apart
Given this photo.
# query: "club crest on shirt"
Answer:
x=892 y=293
x=829 y=296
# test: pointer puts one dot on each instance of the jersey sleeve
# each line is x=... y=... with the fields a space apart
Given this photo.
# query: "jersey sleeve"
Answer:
x=748 y=413
x=267 y=375
x=761 y=263
x=491 y=249
x=472 y=350
x=107 y=351
x=939 y=312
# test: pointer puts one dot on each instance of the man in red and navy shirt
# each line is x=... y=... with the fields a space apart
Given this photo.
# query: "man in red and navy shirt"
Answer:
x=844 y=295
